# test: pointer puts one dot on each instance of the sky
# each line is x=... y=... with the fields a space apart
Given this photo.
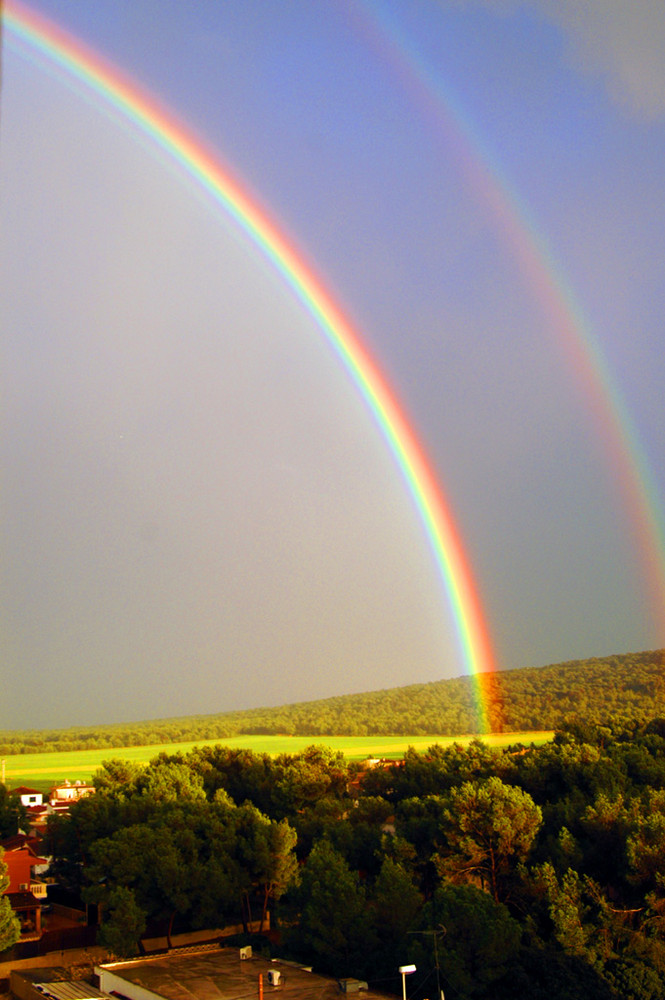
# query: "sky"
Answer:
x=199 y=511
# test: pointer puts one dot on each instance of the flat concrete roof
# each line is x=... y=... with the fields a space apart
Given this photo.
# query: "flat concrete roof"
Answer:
x=220 y=974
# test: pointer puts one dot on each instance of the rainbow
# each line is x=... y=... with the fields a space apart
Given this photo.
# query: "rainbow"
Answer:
x=626 y=456
x=30 y=34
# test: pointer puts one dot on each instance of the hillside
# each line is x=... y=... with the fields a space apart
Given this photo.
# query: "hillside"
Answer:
x=533 y=698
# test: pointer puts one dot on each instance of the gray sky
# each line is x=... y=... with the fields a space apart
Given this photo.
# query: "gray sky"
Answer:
x=198 y=511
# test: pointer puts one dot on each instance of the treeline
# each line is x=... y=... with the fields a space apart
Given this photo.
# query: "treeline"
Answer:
x=531 y=871
x=529 y=699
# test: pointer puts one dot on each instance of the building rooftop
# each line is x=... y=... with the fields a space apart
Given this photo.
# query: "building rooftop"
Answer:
x=71 y=989
x=52 y=983
x=22 y=900
x=219 y=974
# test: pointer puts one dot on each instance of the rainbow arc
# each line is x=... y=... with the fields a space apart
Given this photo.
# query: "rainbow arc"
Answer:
x=31 y=35
x=553 y=292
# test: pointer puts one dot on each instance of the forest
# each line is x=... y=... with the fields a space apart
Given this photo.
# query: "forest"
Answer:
x=527 y=699
x=526 y=871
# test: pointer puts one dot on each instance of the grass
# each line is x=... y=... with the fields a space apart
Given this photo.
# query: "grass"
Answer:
x=43 y=770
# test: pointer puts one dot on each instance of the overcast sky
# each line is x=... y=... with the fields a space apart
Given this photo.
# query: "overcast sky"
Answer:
x=198 y=513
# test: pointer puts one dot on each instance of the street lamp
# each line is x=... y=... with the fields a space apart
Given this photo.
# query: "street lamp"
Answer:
x=405 y=971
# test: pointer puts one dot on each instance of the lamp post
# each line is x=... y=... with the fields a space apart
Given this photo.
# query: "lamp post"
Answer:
x=405 y=971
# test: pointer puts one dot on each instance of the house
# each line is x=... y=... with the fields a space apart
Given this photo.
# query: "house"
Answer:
x=37 y=810
x=37 y=818
x=28 y=796
x=26 y=892
x=69 y=792
x=24 y=863
x=62 y=796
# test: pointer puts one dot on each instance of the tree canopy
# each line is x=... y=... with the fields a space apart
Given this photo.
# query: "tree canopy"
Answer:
x=531 y=870
x=10 y=928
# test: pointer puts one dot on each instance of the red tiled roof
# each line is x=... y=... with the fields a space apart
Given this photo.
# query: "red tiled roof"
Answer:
x=21 y=842
x=22 y=900
x=14 y=843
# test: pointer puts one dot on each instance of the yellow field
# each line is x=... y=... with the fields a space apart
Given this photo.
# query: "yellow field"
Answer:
x=44 y=770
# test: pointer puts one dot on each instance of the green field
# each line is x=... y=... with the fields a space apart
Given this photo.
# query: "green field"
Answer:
x=43 y=770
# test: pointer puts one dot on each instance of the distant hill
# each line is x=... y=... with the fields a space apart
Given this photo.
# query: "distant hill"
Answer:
x=631 y=685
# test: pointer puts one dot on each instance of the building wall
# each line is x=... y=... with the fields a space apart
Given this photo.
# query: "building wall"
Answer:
x=18 y=868
x=31 y=798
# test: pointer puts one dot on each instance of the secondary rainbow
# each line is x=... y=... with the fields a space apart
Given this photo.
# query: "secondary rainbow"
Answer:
x=34 y=35
x=626 y=455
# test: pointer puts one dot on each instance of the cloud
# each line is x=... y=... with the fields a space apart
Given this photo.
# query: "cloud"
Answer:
x=622 y=41
x=618 y=40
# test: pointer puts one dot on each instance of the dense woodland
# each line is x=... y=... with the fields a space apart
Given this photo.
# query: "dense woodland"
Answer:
x=533 y=698
x=529 y=871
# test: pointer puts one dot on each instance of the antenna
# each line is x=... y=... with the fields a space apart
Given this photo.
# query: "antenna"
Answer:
x=435 y=934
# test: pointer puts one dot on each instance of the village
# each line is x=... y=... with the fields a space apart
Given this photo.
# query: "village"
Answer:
x=56 y=957
x=42 y=919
